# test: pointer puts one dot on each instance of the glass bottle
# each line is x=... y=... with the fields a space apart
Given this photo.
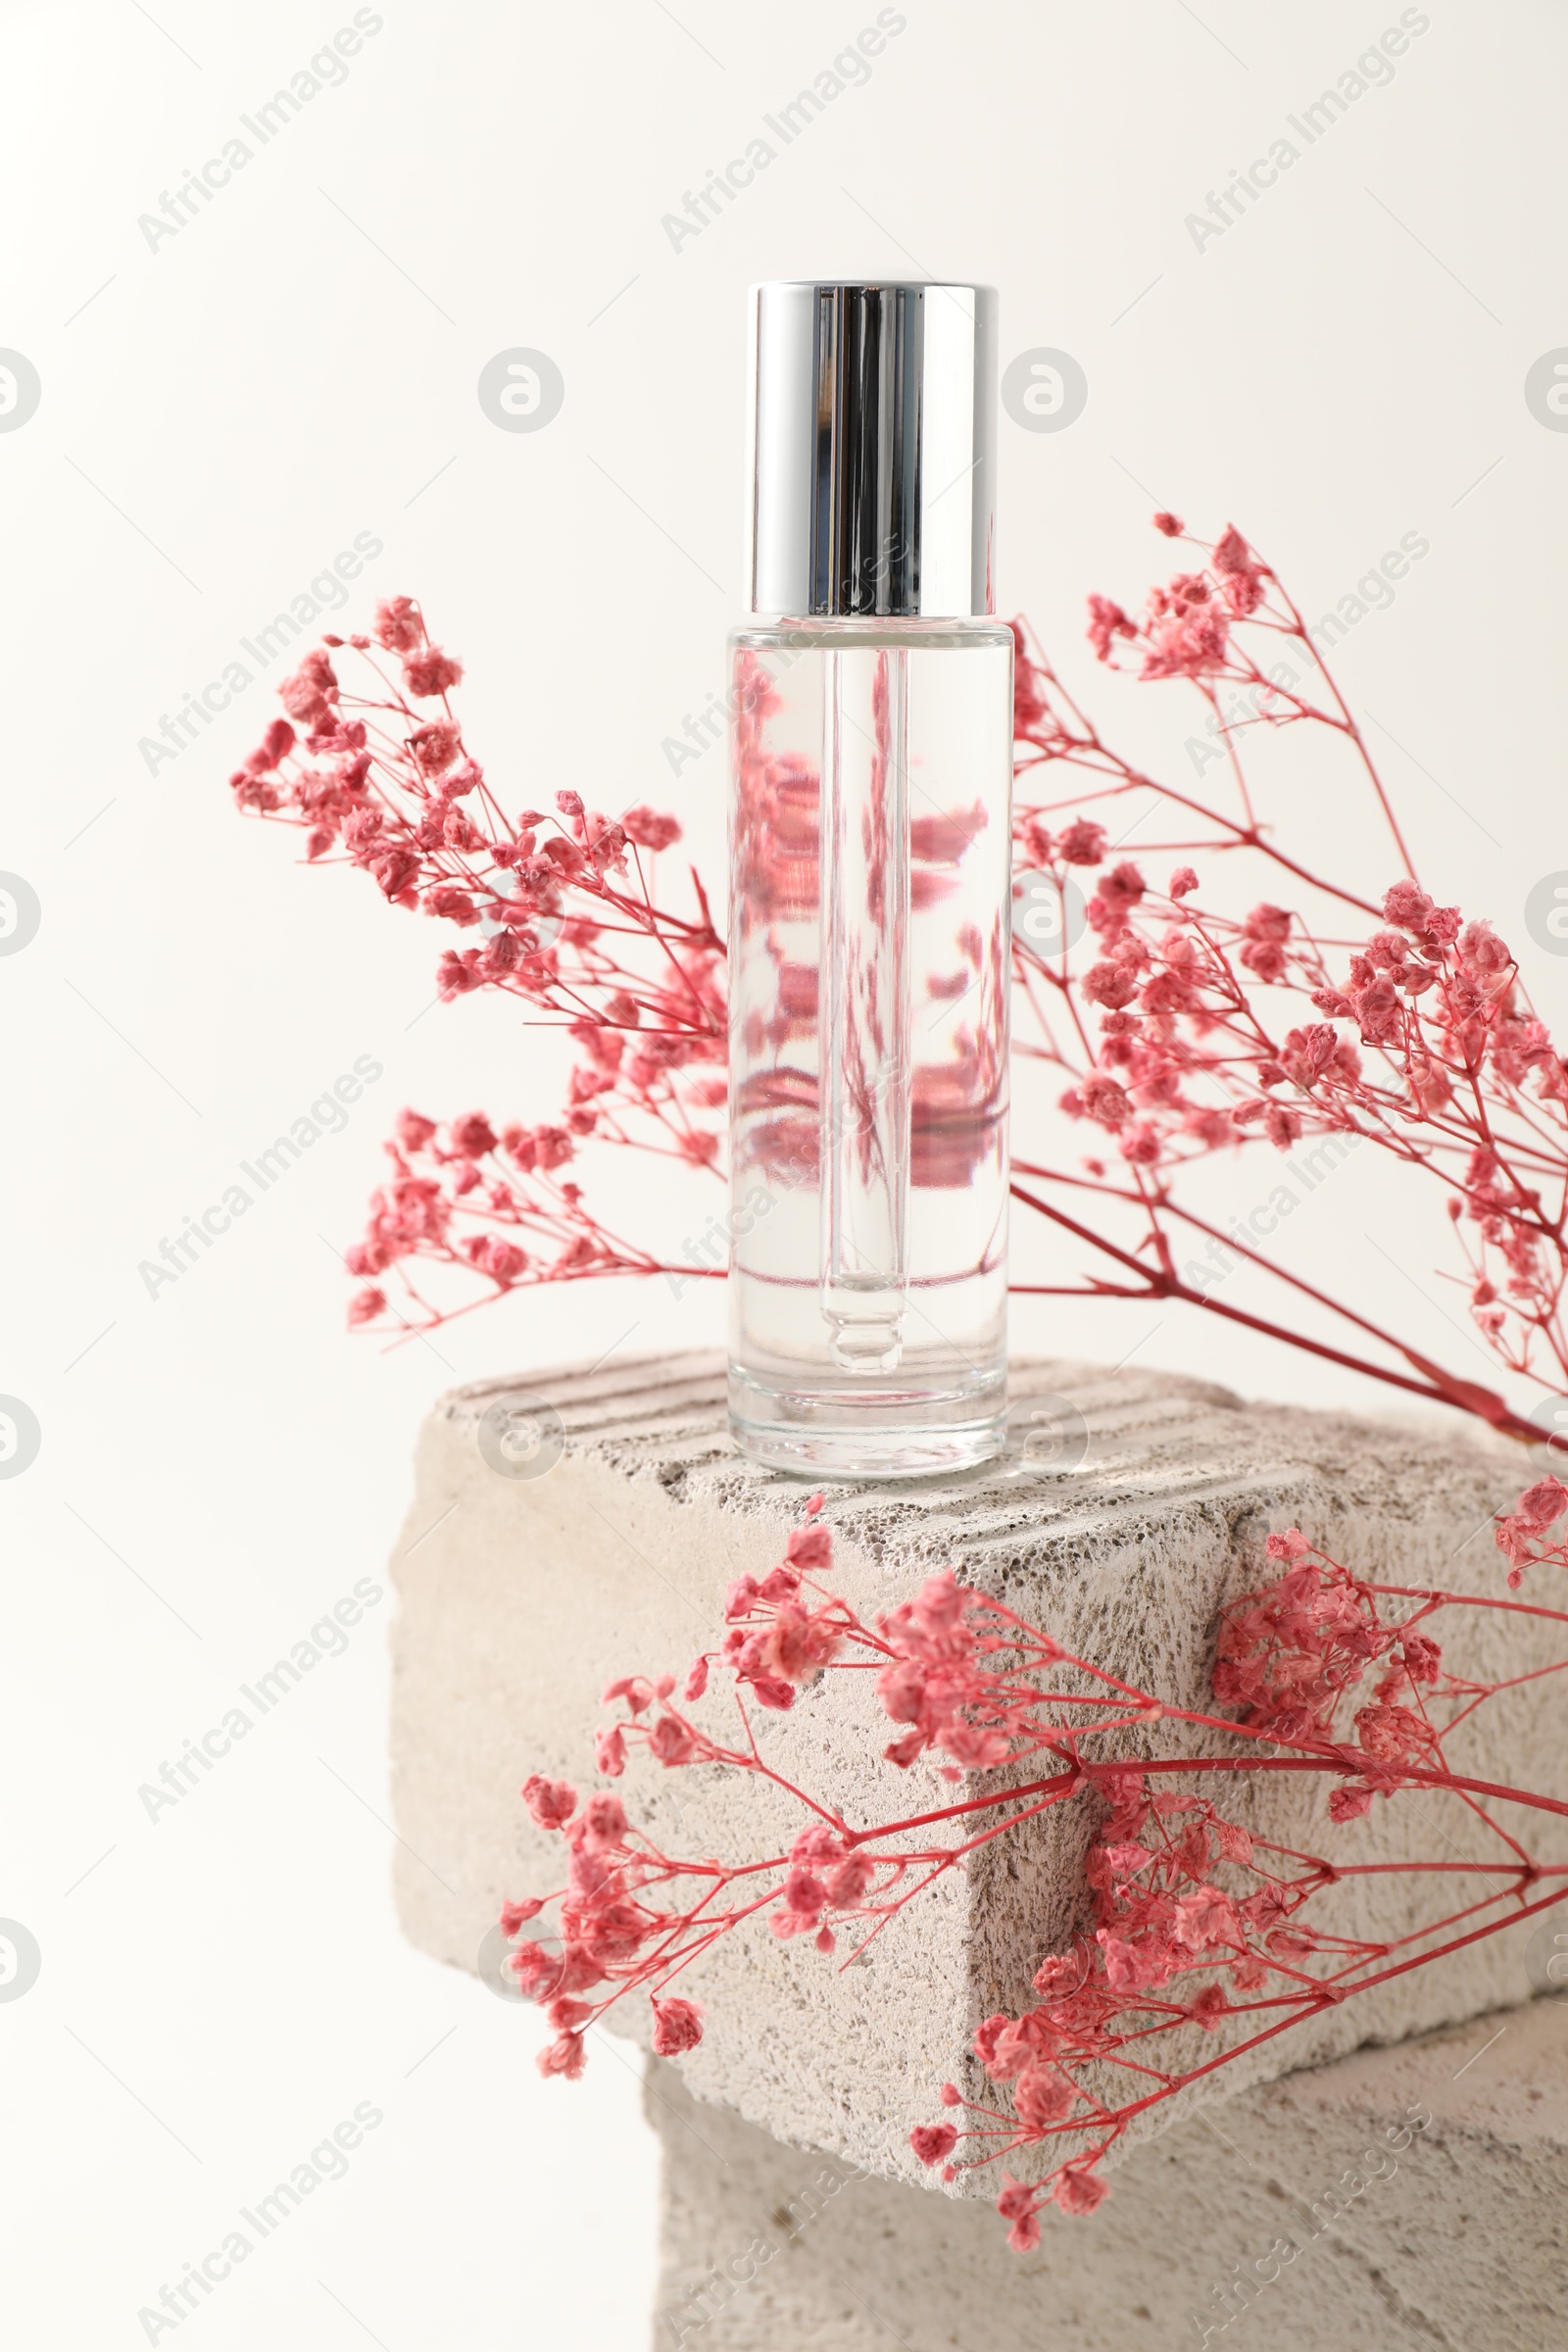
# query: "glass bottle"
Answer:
x=870 y=860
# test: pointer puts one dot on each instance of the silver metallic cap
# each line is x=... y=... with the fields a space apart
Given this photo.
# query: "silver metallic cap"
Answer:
x=871 y=422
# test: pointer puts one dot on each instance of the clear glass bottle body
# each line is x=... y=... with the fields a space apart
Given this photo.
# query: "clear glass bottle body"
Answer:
x=870 y=891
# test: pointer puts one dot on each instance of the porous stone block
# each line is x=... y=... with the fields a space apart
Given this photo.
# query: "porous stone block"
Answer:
x=1128 y=1506
x=1407 y=2196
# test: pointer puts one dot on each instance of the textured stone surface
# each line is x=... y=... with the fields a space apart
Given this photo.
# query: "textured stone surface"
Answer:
x=1243 y=2226
x=522 y=1597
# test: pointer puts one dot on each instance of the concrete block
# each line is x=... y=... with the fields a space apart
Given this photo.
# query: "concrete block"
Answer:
x=1129 y=1505
x=1401 y=2197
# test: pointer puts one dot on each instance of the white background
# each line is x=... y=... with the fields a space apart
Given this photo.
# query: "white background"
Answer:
x=219 y=416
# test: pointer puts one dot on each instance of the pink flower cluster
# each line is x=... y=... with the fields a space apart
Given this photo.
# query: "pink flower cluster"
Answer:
x=1185 y=1030
x=572 y=927
x=1186 y=628
x=1194 y=1920
x=1522 y=1533
x=497 y=1205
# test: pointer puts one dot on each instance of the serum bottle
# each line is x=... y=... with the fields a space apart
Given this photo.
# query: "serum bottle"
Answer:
x=871 y=882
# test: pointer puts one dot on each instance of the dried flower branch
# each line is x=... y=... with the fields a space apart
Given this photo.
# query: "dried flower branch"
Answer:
x=572 y=927
x=1194 y=1920
x=1193 y=1030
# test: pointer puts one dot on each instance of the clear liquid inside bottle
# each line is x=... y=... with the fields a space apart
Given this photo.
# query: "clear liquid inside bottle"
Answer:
x=870 y=848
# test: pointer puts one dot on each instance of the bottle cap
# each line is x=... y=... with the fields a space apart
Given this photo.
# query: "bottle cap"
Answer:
x=872 y=430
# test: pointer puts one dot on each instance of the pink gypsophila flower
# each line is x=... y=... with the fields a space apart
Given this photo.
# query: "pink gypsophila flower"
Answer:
x=649 y=829
x=431 y=671
x=678 y=2026
x=1081 y=2191
x=398 y=625
x=551 y=1802
x=309 y=695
